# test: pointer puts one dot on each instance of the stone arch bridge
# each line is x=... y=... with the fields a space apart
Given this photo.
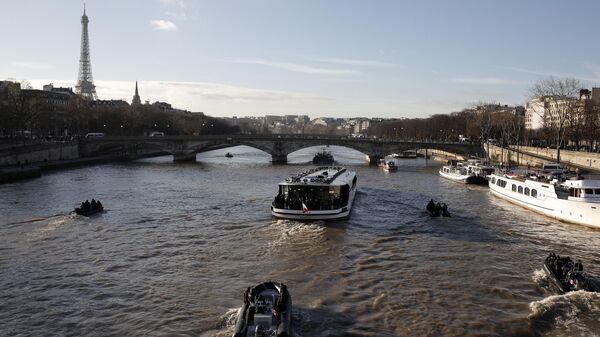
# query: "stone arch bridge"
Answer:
x=184 y=148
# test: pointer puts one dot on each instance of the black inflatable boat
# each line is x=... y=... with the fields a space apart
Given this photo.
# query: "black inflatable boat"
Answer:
x=437 y=209
x=89 y=211
x=267 y=312
x=566 y=275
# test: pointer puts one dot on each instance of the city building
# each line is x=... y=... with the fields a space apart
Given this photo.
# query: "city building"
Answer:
x=534 y=114
x=50 y=99
x=110 y=103
x=571 y=111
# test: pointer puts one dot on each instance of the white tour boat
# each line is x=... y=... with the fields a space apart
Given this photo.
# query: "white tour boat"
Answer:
x=410 y=154
x=463 y=172
x=323 y=193
x=574 y=200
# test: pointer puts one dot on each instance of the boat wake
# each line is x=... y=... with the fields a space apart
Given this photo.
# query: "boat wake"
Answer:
x=572 y=314
x=541 y=279
x=34 y=220
x=225 y=324
x=297 y=232
x=305 y=322
x=56 y=222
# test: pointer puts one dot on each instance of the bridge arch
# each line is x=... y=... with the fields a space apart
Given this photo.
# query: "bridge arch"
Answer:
x=278 y=146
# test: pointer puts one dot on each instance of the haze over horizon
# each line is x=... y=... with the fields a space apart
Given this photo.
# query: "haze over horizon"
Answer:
x=335 y=58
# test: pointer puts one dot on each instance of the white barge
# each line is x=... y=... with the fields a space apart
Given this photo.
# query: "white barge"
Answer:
x=575 y=200
x=469 y=172
x=323 y=193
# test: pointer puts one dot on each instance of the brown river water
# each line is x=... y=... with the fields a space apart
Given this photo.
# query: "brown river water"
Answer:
x=179 y=244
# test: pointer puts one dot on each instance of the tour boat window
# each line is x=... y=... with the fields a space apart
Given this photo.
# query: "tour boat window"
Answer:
x=575 y=192
x=526 y=190
x=597 y=191
x=334 y=190
x=589 y=191
x=534 y=193
x=493 y=180
x=514 y=187
x=521 y=189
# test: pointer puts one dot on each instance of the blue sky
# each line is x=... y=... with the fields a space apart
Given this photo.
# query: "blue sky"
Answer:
x=340 y=58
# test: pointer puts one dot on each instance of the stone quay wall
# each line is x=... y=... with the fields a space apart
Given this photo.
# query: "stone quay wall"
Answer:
x=40 y=153
x=537 y=157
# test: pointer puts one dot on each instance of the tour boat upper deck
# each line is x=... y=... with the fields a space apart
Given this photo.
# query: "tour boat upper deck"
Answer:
x=322 y=193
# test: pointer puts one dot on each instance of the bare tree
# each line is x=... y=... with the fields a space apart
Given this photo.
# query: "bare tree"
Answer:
x=560 y=97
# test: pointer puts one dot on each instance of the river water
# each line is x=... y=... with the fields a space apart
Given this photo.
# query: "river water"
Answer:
x=179 y=244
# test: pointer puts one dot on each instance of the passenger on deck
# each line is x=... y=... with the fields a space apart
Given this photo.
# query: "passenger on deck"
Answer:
x=431 y=206
x=86 y=205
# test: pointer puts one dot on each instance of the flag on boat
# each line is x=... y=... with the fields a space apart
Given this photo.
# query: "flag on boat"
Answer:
x=305 y=209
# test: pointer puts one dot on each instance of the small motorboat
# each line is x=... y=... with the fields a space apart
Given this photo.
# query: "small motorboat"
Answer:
x=388 y=165
x=566 y=275
x=267 y=312
x=228 y=155
x=437 y=209
x=89 y=208
x=323 y=158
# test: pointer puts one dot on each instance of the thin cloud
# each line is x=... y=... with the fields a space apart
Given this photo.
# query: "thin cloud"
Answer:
x=295 y=67
x=165 y=25
x=178 y=16
x=196 y=96
x=484 y=80
x=32 y=65
x=595 y=69
x=595 y=73
x=178 y=3
x=354 y=62
x=530 y=71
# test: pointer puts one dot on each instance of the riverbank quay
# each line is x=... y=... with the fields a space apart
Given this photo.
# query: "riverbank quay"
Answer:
x=9 y=174
x=439 y=155
x=534 y=157
x=38 y=153
x=13 y=173
x=29 y=160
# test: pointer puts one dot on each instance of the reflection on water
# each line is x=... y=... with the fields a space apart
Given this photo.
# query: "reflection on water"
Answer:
x=179 y=244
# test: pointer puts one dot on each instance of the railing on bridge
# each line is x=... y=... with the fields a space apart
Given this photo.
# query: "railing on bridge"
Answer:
x=283 y=137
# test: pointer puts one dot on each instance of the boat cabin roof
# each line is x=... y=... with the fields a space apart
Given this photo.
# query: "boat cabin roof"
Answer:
x=581 y=183
x=574 y=182
x=321 y=176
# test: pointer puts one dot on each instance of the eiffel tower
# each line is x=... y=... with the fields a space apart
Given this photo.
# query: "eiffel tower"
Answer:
x=85 y=84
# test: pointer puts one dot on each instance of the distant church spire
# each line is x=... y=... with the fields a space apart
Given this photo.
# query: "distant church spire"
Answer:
x=136 y=98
